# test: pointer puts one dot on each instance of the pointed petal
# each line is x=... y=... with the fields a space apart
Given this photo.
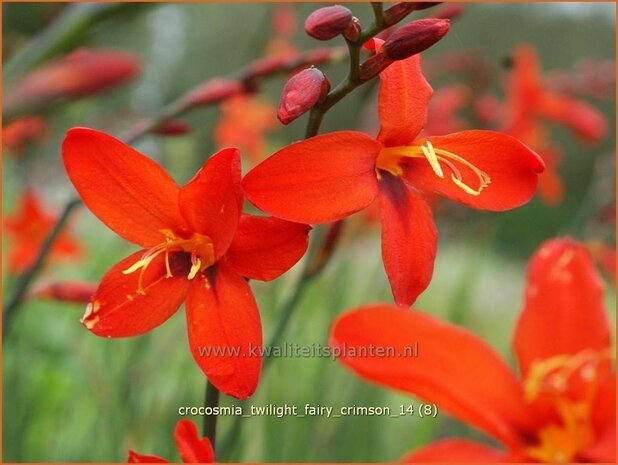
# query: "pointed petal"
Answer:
x=584 y=120
x=192 y=449
x=455 y=451
x=134 y=457
x=564 y=293
x=117 y=309
x=512 y=167
x=318 y=180
x=409 y=239
x=126 y=190
x=265 y=248
x=225 y=331
x=451 y=370
x=211 y=202
x=403 y=98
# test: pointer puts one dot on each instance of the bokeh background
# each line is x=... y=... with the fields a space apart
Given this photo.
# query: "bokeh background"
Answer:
x=70 y=396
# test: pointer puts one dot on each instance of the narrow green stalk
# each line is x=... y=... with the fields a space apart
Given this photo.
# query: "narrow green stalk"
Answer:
x=211 y=399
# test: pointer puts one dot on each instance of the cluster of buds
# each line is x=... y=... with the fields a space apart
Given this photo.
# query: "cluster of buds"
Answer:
x=301 y=93
x=77 y=75
x=408 y=40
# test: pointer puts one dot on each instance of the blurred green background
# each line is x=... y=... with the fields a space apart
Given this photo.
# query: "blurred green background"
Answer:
x=70 y=396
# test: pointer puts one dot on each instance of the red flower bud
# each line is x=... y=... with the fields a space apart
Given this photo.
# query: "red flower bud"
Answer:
x=400 y=10
x=69 y=291
x=77 y=75
x=328 y=22
x=173 y=127
x=414 y=37
x=373 y=66
x=450 y=11
x=213 y=91
x=301 y=93
x=353 y=31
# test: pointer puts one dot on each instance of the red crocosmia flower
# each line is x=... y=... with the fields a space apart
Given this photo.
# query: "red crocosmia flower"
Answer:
x=329 y=177
x=20 y=133
x=191 y=448
x=244 y=123
x=28 y=227
x=527 y=97
x=82 y=73
x=561 y=405
x=442 y=115
x=196 y=246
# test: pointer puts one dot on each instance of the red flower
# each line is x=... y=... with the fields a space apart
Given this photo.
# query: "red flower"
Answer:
x=328 y=177
x=18 y=134
x=528 y=98
x=191 y=448
x=244 y=122
x=197 y=246
x=28 y=228
x=560 y=408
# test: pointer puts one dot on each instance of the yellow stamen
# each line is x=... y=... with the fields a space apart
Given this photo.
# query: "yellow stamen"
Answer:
x=200 y=247
x=389 y=160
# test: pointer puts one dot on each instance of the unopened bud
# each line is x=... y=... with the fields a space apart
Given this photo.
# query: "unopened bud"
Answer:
x=400 y=10
x=353 y=31
x=68 y=291
x=173 y=127
x=82 y=73
x=451 y=11
x=214 y=91
x=373 y=66
x=328 y=22
x=301 y=93
x=414 y=37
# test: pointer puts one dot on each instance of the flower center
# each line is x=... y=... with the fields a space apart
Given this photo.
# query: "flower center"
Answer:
x=390 y=159
x=200 y=247
x=568 y=383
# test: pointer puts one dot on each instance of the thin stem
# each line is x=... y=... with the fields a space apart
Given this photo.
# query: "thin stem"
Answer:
x=378 y=12
x=211 y=399
x=24 y=281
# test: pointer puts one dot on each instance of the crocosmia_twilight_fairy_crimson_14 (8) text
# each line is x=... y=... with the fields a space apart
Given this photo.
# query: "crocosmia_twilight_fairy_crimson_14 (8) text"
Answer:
x=197 y=246
x=560 y=408
x=328 y=177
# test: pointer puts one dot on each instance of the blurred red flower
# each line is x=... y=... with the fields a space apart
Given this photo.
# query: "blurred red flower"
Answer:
x=442 y=115
x=197 y=246
x=20 y=133
x=28 y=227
x=82 y=73
x=562 y=405
x=328 y=177
x=65 y=291
x=191 y=448
x=283 y=26
x=529 y=103
x=244 y=123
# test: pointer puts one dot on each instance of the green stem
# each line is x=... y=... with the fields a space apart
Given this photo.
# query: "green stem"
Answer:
x=23 y=284
x=211 y=399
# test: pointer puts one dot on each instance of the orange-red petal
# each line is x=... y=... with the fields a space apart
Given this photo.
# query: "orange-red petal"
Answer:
x=225 y=333
x=455 y=451
x=584 y=120
x=452 y=369
x=512 y=167
x=126 y=190
x=409 y=239
x=211 y=202
x=564 y=311
x=134 y=457
x=265 y=247
x=117 y=309
x=403 y=97
x=192 y=449
x=318 y=180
